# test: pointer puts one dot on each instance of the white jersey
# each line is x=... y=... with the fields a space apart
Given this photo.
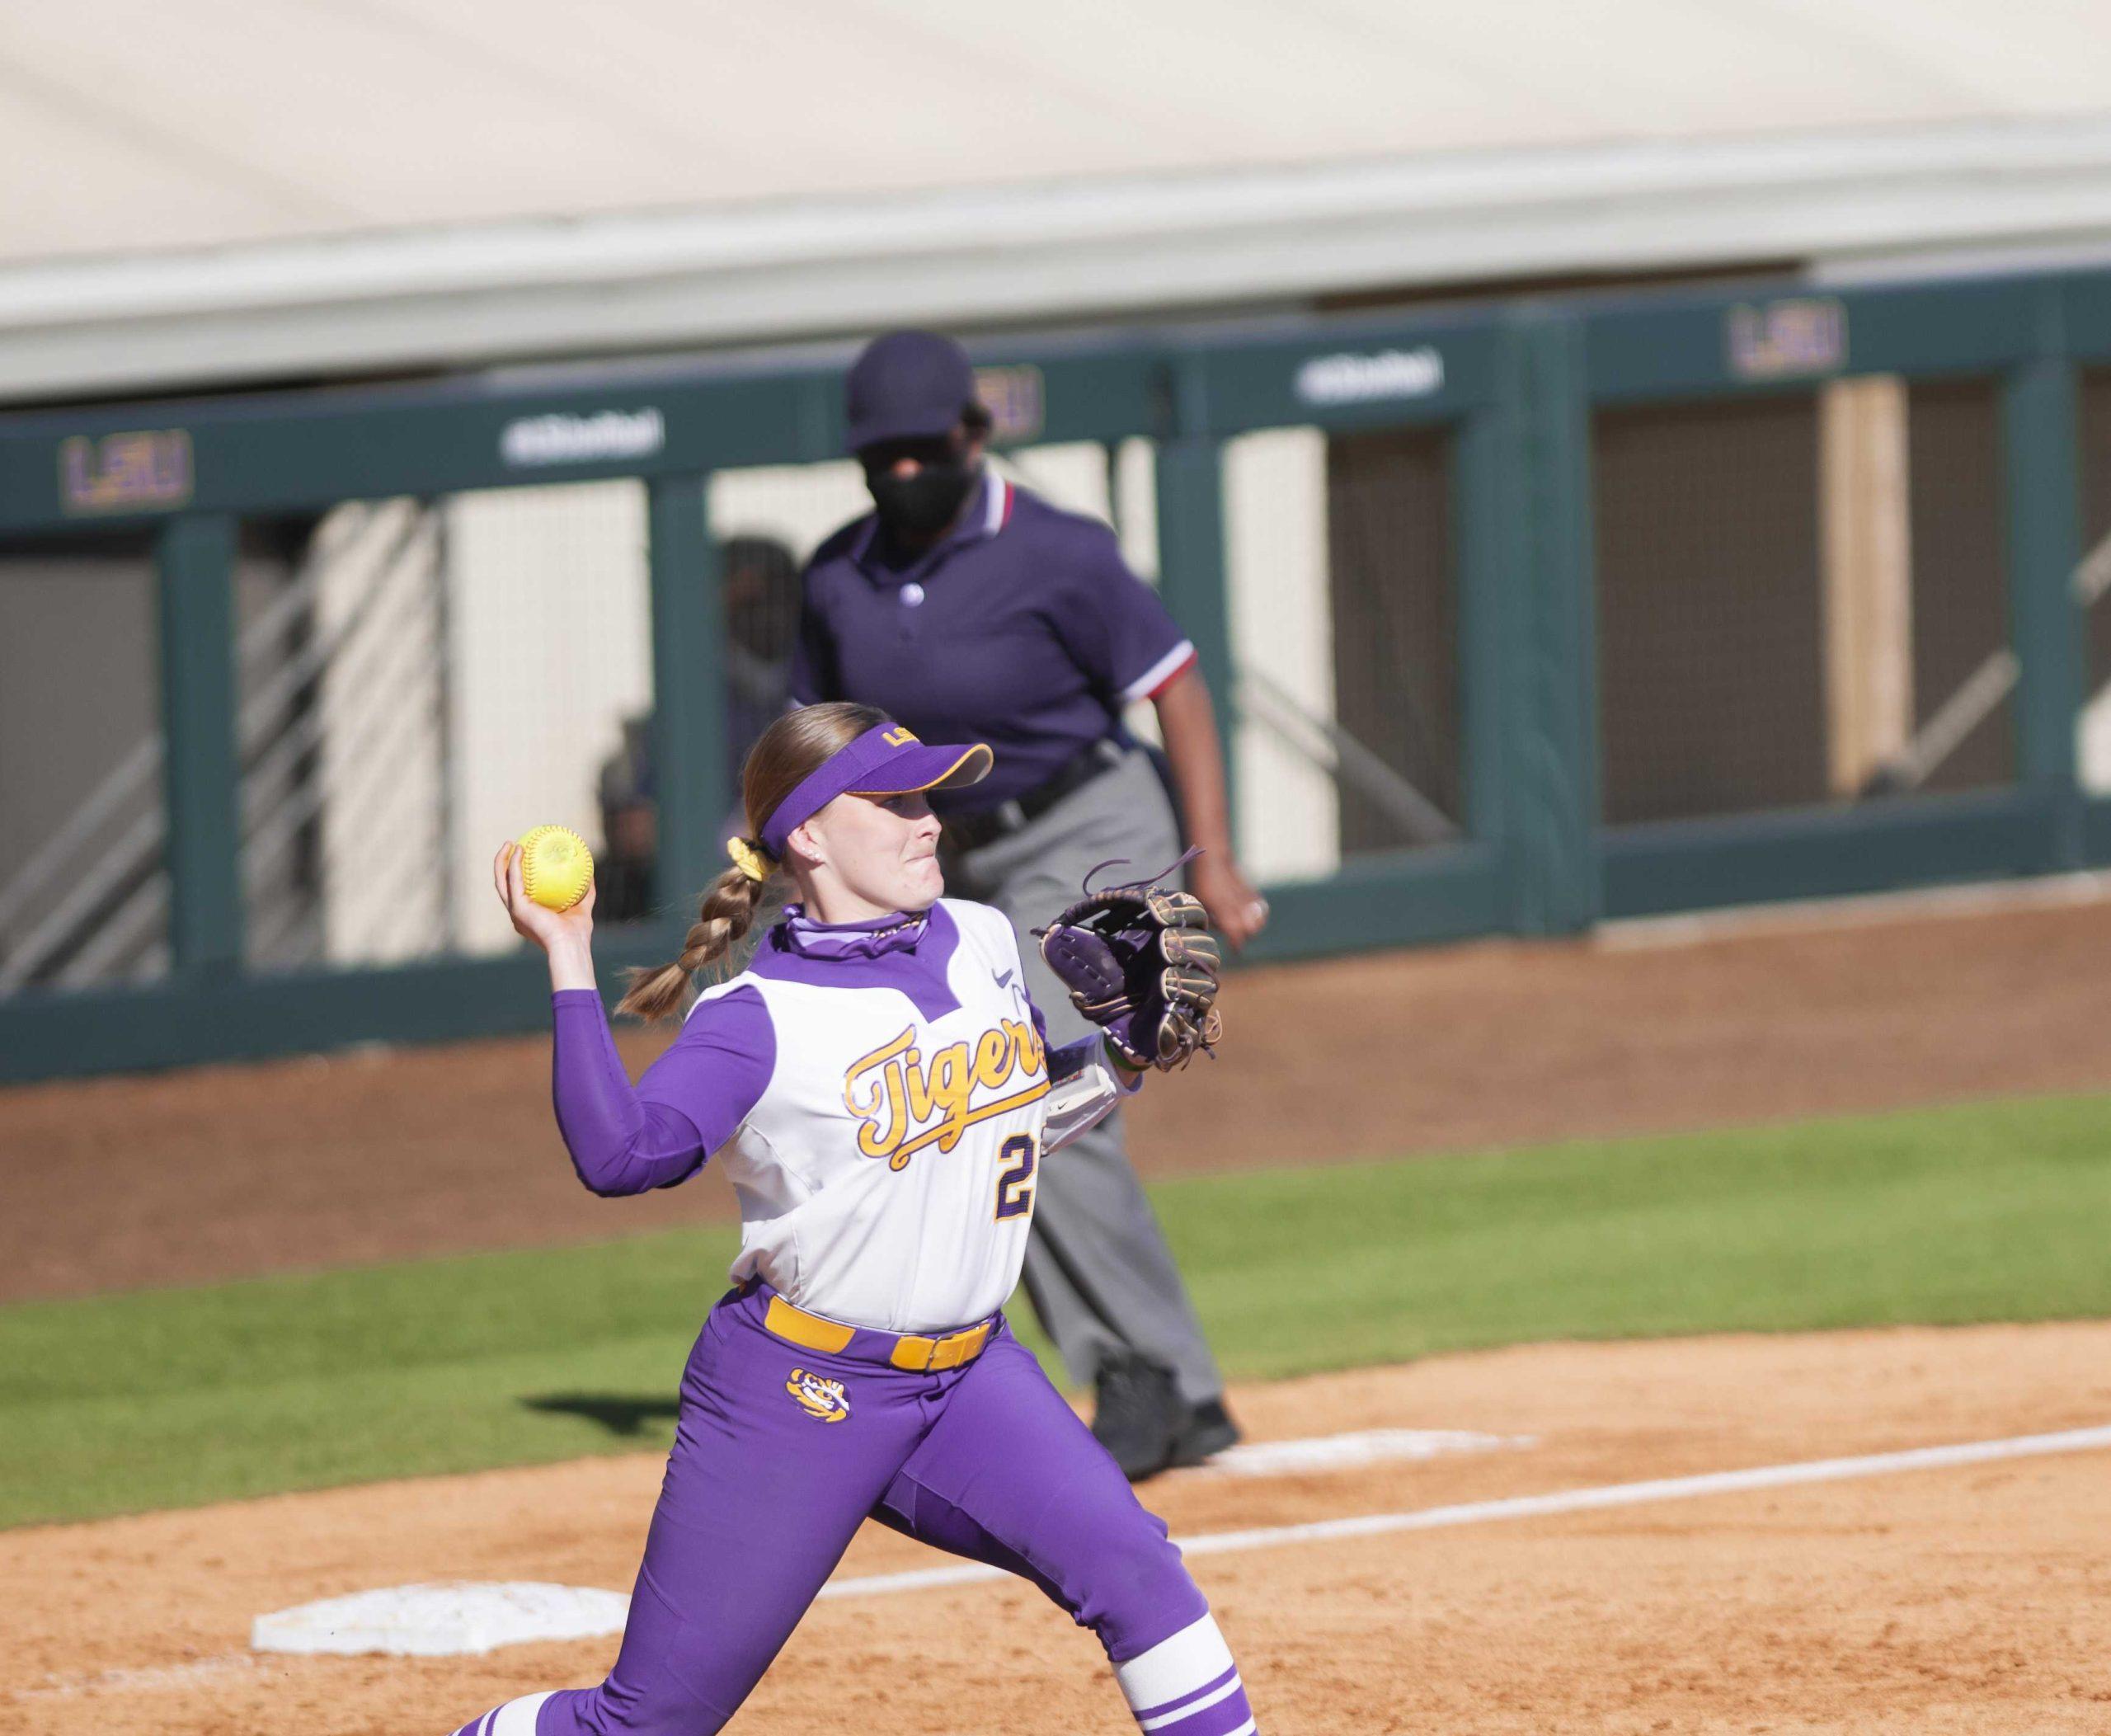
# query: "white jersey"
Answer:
x=887 y=1171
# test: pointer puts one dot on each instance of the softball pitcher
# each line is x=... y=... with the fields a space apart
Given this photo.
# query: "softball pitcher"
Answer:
x=878 y=1087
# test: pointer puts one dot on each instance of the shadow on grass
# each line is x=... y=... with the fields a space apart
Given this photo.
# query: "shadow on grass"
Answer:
x=622 y=1415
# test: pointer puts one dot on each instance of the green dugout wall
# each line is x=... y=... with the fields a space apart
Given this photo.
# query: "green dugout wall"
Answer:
x=1589 y=567
x=2013 y=344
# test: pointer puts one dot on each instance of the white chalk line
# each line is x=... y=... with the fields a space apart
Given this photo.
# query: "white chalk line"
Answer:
x=1368 y=1525
x=1561 y=1501
x=455 y=1618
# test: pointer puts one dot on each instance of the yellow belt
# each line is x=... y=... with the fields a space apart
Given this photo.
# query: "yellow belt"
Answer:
x=911 y=1351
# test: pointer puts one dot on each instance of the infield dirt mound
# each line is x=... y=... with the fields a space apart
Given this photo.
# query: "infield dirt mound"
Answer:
x=380 y=1155
x=1951 y=1601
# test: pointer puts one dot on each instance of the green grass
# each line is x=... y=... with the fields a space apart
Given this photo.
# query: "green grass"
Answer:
x=161 y=1399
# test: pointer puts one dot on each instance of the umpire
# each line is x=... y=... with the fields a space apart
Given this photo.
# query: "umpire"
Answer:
x=974 y=610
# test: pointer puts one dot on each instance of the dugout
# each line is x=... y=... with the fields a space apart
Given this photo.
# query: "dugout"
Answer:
x=1518 y=615
x=1836 y=541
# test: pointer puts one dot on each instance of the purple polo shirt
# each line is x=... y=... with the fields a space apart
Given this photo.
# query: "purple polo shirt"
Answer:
x=1024 y=628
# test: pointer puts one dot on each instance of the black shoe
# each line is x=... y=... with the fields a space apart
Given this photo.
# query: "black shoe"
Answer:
x=1204 y=1433
x=1137 y=1415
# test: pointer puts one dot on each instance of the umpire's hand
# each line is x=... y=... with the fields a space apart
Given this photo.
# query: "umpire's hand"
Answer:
x=1236 y=910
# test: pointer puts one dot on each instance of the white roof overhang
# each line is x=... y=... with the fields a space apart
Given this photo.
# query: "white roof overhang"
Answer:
x=201 y=191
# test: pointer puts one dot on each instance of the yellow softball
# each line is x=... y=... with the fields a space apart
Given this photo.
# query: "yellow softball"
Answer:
x=556 y=866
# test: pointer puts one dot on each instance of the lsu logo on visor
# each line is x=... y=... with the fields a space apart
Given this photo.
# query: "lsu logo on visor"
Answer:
x=824 y=1400
x=904 y=1101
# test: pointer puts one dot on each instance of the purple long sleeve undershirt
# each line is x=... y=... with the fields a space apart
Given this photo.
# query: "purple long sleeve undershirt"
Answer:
x=628 y=1139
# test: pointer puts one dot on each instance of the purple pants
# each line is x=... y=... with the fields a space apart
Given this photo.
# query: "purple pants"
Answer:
x=781 y=1452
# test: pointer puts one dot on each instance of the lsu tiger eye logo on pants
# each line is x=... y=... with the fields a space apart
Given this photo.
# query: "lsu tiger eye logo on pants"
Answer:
x=824 y=1400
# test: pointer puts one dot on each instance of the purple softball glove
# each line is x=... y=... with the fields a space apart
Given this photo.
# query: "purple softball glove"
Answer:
x=1140 y=963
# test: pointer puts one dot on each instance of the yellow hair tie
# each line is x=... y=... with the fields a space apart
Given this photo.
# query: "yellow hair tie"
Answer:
x=749 y=859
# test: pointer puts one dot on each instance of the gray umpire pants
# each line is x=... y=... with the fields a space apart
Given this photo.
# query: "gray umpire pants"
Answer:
x=1097 y=1269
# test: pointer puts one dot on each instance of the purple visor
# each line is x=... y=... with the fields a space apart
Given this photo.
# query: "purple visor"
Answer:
x=884 y=761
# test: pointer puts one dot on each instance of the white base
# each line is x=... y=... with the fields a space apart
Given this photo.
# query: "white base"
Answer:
x=441 y=1620
x=1348 y=1452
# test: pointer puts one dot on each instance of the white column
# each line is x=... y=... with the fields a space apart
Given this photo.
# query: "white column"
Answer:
x=1282 y=630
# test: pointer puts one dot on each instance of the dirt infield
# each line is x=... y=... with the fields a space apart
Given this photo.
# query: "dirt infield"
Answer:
x=374 y=1155
x=1963 y=1600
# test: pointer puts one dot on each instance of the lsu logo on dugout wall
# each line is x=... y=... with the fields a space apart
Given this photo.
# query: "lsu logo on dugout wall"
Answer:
x=904 y=1100
x=824 y=1400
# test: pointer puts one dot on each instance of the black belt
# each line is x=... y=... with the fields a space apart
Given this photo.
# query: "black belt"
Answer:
x=971 y=832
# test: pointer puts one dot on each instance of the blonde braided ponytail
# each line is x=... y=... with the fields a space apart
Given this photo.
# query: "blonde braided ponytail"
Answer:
x=790 y=750
x=723 y=916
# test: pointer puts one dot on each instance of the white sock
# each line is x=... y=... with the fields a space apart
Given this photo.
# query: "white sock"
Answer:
x=516 y=1717
x=1187 y=1683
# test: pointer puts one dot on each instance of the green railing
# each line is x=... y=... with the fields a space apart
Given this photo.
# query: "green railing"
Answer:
x=1515 y=389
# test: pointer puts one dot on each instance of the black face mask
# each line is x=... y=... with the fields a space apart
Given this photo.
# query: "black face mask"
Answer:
x=914 y=509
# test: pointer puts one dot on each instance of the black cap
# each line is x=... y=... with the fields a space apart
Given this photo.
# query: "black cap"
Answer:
x=907 y=385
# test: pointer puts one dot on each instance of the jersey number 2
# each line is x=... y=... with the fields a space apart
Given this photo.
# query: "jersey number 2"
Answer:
x=1015 y=1180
